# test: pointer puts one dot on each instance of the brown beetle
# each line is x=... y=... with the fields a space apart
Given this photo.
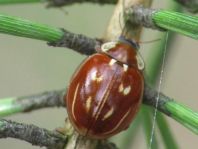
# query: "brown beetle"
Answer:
x=106 y=91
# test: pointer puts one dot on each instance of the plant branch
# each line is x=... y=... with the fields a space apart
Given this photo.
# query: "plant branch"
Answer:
x=78 y=42
x=32 y=134
x=54 y=36
x=50 y=139
x=28 y=103
x=62 y=38
x=166 y=105
x=164 y=20
x=59 y=3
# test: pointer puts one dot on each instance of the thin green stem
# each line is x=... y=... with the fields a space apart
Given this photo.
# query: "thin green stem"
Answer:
x=24 y=28
x=132 y=131
x=165 y=132
x=147 y=126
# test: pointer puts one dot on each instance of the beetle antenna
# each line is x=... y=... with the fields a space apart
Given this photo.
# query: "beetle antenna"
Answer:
x=149 y=41
x=120 y=24
x=123 y=28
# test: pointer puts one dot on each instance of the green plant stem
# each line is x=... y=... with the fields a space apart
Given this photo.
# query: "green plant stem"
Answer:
x=17 y=1
x=178 y=22
x=147 y=126
x=129 y=138
x=24 y=28
x=183 y=115
x=164 y=20
x=165 y=132
x=162 y=124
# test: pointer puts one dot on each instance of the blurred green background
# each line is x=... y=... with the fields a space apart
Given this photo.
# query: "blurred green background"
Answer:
x=30 y=66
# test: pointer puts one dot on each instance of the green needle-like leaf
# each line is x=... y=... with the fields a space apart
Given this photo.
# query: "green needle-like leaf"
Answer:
x=24 y=28
x=184 y=115
x=178 y=22
x=7 y=107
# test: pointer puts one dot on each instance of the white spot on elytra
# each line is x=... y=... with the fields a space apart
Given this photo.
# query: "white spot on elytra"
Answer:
x=88 y=103
x=127 y=90
x=121 y=88
x=112 y=61
x=108 y=114
x=125 y=67
x=96 y=78
x=119 y=123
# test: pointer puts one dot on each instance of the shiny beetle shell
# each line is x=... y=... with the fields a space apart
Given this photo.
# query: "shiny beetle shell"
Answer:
x=106 y=91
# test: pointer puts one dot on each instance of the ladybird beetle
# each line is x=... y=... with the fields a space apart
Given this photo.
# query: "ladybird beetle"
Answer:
x=106 y=90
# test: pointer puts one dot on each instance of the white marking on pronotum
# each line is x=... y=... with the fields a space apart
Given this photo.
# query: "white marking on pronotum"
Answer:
x=159 y=89
x=108 y=114
x=140 y=61
x=119 y=123
x=96 y=78
x=125 y=67
x=109 y=45
x=88 y=103
x=112 y=61
x=74 y=101
x=127 y=90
